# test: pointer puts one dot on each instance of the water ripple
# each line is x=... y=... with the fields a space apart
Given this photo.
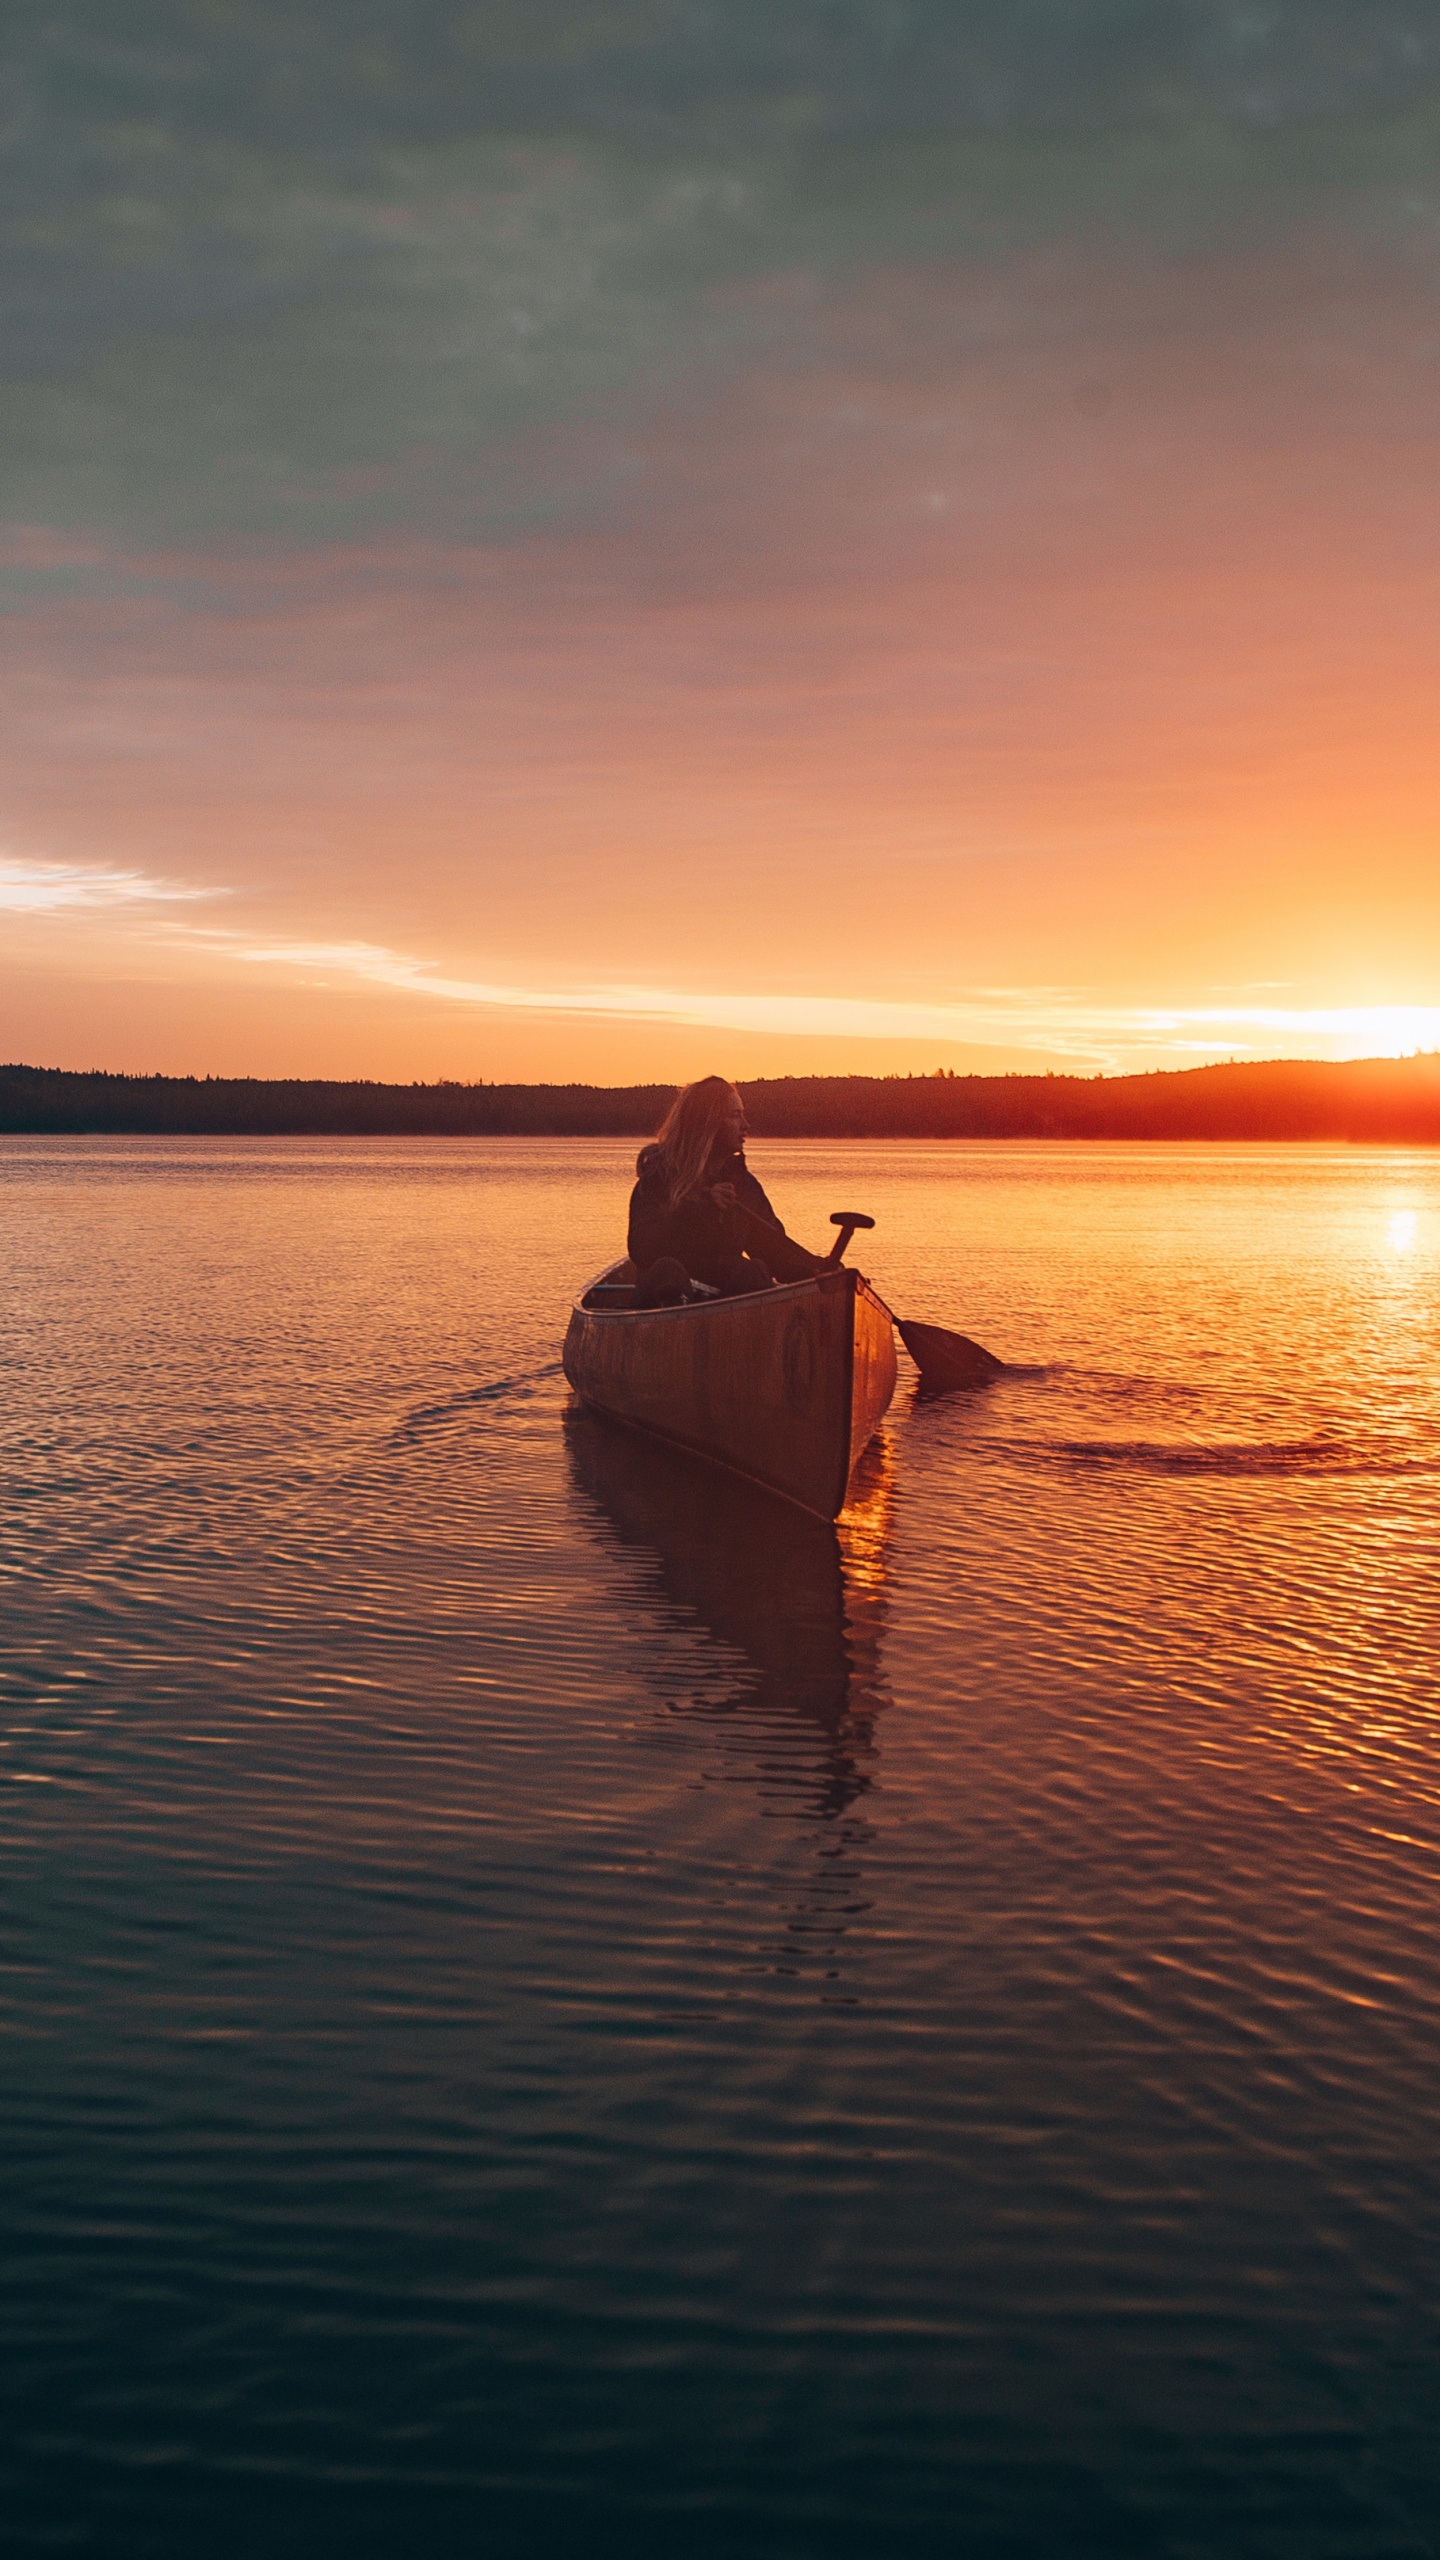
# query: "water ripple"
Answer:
x=551 y=1999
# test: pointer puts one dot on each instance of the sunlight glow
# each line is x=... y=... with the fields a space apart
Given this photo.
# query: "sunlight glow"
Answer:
x=1403 y=1227
x=1365 y=1031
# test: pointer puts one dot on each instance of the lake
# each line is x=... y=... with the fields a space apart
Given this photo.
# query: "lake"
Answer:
x=552 y=2005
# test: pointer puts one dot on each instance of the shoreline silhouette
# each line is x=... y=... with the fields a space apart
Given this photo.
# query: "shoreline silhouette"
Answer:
x=1362 y=1101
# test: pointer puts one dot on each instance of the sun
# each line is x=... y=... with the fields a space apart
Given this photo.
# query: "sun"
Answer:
x=1388 y=1030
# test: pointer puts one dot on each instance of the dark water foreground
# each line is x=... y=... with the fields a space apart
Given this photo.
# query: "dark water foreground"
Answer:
x=551 y=2008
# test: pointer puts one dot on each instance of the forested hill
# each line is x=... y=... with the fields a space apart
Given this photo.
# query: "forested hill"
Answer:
x=1384 y=1100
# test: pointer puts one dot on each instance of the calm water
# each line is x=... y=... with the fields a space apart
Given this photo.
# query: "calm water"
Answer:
x=551 y=2008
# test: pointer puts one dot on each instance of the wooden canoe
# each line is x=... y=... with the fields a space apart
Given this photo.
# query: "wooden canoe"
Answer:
x=784 y=1386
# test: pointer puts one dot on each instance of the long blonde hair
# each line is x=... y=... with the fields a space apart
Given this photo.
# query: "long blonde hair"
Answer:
x=687 y=1135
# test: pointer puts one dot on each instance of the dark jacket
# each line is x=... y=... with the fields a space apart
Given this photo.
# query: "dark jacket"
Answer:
x=701 y=1236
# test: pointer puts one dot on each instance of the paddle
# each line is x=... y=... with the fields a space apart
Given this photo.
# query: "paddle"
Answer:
x=945 y=1360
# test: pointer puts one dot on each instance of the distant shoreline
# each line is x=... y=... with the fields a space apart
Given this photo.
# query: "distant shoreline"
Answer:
x=1374 y=1101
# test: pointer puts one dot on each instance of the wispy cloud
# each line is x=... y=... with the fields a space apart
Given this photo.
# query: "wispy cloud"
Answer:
x=50 y=888
x=1075 y=1027
x=1052 y=1022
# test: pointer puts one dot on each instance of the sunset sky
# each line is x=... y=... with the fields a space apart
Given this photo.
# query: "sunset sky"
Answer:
x=607 y=541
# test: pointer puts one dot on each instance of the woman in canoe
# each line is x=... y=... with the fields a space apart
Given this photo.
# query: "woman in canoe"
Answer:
x=697 y=1211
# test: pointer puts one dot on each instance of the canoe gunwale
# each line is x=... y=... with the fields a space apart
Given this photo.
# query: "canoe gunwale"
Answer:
x=818 y=1280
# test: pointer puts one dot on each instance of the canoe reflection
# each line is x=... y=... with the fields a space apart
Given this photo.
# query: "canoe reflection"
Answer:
x=801 y=1601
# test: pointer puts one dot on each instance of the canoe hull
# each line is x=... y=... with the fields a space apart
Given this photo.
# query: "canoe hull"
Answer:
x=785 y=1386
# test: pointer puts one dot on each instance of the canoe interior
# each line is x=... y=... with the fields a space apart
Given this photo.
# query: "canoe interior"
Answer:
x=784 y=1386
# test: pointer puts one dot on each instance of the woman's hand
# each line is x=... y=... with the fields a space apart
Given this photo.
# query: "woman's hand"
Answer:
x=724 y=1195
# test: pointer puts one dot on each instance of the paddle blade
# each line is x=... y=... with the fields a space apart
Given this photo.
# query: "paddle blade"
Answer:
x=947 y=1360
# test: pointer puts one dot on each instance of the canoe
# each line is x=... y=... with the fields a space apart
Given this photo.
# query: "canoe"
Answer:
x=785 y=1386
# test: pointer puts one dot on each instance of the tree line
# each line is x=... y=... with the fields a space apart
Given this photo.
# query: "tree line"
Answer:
x=1369 y=1100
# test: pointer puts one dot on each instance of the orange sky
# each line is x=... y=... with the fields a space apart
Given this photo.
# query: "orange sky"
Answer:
x=1011 y=647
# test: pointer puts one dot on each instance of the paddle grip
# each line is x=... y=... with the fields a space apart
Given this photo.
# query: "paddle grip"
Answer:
x=847 y=1220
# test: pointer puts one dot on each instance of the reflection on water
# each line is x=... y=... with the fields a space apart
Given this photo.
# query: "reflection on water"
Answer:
x=799 y=1601
x=799 y=1606
x=555 y=2004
